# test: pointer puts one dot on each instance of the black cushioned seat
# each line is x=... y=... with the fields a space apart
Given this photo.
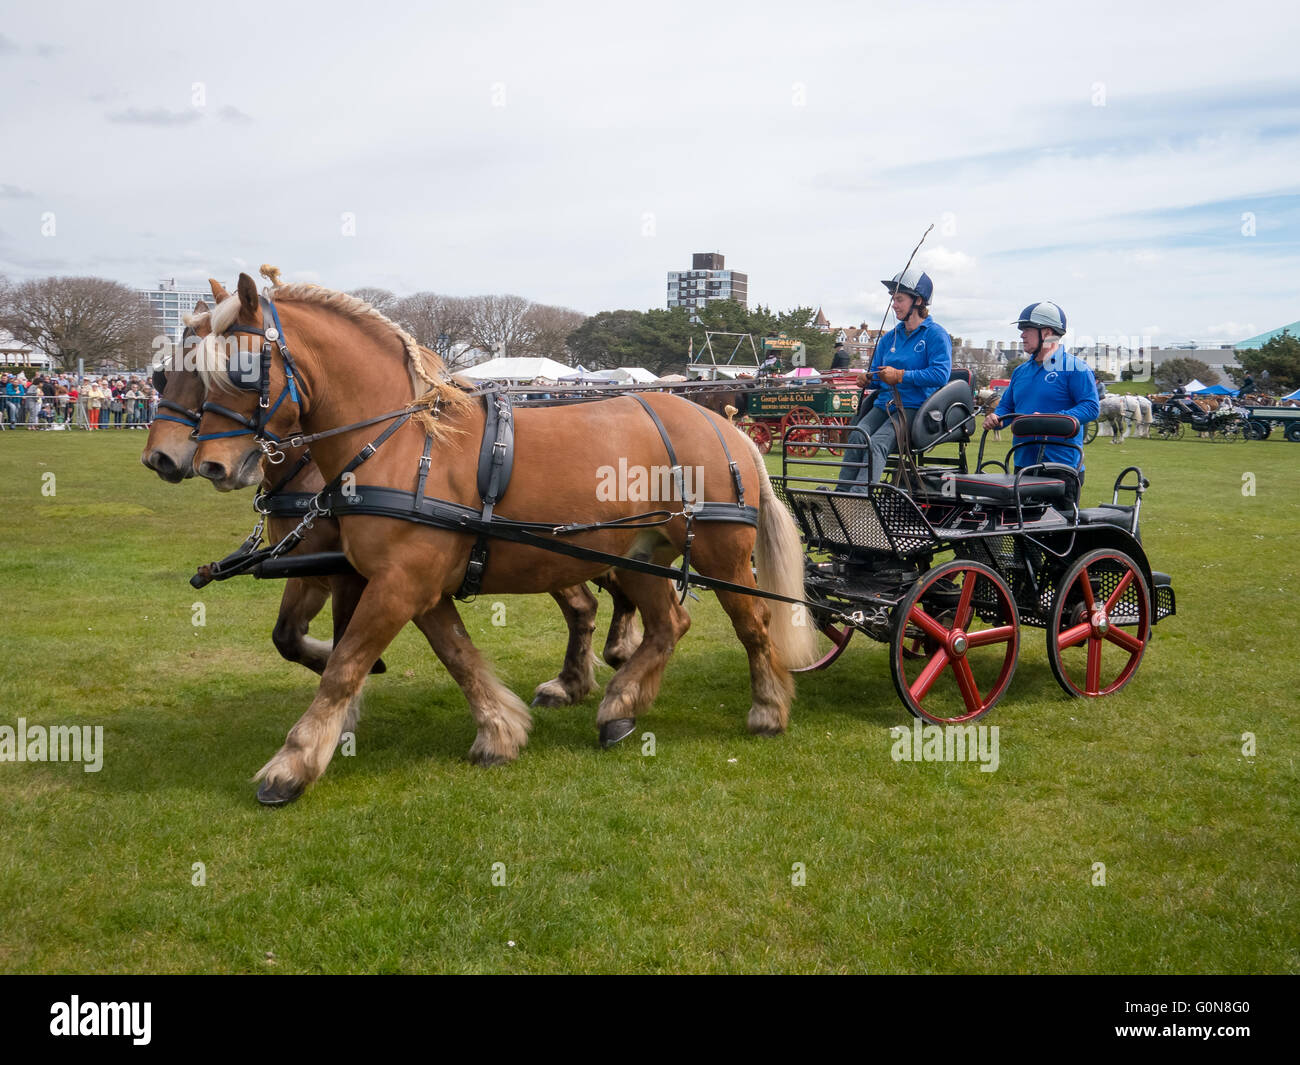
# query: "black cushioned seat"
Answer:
x=995 y=487
x=1107 y=514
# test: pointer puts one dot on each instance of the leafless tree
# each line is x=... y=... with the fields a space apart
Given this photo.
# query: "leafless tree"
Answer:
x=984 y=363
x=427 y=316
x=90 y=318
x=500 y=324
x=549 y=329
x=379 y=298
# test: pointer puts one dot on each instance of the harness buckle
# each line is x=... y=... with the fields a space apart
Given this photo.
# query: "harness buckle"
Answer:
x=273 y=455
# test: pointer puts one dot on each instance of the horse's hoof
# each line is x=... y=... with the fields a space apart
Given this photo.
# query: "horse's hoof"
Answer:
x=379 y=666
x=488 y=761
x=611 y=732
x=279 y=794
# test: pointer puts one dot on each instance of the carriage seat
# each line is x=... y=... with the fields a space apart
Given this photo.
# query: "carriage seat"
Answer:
x=994 y=487
x=1118 y=514
x=948 y=415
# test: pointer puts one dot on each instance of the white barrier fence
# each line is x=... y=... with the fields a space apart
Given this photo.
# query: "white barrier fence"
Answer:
x=49 y=412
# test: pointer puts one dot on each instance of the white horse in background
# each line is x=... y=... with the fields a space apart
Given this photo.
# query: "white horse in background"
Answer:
x=1120 y=413
x=1144 y=418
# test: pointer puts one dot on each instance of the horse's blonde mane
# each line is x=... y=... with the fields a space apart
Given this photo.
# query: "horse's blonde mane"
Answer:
x=433 y=385
x=424 y=366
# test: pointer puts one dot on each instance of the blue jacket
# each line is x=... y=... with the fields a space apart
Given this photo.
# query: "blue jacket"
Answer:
x=1062 y=384
x=924 y=356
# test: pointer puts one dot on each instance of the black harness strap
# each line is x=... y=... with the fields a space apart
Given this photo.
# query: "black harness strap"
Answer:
x=287 y=504
x=245 y=557
x=496 y=462
x=668 y=446
x=684 y=584
x=304 y=460
x=425 y=462
x=731 y=463
x=457 y=517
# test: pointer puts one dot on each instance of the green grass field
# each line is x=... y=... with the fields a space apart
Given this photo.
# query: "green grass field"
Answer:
x=614 y=860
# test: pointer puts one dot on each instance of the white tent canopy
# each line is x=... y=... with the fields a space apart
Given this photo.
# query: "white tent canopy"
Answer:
x=524 y=370
x=636 y=375
x=583 y=376
x=1194 y=386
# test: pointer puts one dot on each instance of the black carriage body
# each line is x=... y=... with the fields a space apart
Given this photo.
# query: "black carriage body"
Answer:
x=879 y=541
x=1022 y=553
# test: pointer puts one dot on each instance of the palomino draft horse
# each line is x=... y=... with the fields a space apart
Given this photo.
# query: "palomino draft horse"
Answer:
x=169 y=452
x=378 y=408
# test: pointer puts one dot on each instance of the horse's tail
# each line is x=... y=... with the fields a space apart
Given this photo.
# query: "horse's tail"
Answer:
x=778 y=557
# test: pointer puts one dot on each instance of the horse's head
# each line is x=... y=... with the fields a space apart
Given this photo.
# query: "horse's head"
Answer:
x=251 y=400
x=169 y=448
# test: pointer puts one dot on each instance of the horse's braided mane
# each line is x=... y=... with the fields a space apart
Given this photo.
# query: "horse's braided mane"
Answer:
x=434 y=387
x=423 y=365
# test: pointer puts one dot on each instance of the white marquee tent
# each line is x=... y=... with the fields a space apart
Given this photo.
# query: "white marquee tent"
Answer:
x=634 y=375
x=521 y=370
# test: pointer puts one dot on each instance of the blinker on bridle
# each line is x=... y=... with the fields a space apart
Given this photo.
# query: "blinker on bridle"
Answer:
x=248 y=376
x=188 y=418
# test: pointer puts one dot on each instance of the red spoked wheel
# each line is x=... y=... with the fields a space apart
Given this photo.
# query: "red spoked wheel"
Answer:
x=839 y=636
x=801 y=443
x=759 y=432
x=1100 y=624
x=833 y=436
x=954 y=643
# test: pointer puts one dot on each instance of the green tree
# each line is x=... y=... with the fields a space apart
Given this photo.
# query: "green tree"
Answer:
x=659 y=339
x=605 y=340
x=1174 y=372
x=1279 y=358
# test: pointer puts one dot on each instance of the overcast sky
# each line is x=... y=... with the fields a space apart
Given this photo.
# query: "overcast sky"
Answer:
x=1101 y=155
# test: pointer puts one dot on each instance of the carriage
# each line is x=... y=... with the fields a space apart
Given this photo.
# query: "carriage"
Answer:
x=806 y=409
x=946 y=565
x=1225 y=423
x=805 y=415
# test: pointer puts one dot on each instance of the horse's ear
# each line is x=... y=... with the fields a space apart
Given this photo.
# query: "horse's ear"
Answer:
x=247 y=290
x=219 y=292
x=200 y=307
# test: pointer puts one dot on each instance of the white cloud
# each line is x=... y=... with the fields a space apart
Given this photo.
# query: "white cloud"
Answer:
x=1237 y=330
x=1036 y=193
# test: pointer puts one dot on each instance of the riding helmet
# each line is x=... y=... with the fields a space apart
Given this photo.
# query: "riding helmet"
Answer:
x=913 y=282
x=1045 y=315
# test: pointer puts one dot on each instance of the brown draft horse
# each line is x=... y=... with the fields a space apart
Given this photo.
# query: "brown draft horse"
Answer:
x=169 y=452
x=353 y=364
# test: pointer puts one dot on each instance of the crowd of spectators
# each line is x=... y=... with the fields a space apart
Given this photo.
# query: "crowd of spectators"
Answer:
x=59 y=401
